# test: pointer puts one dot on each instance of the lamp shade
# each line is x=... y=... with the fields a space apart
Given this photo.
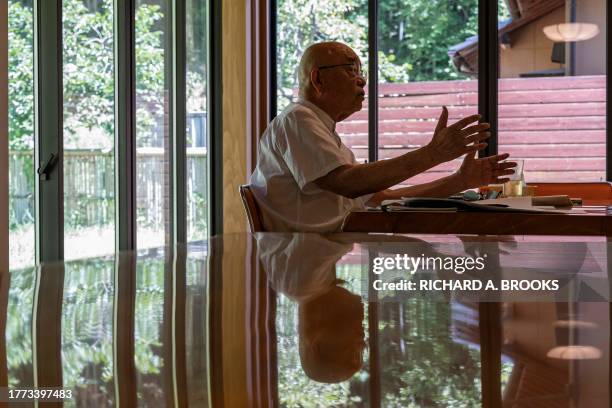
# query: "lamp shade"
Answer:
x=575 y=353
x=571 y=32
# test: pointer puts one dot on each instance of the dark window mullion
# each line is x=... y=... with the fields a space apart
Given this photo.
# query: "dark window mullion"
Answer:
x=125 y=125
x=125 y=207
x=178 y=123
x=488 y=73
x=373 y=80
x=214 y=125
x=49 y=192
x=488 y=68
x=608 y=93
x=48 y=127
x=272 y=64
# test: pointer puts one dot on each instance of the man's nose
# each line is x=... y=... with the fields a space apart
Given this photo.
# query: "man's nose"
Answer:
x=361 y=81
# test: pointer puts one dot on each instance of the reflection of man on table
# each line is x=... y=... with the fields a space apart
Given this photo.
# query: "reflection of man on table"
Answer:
x=303 y=268
x=307 y=180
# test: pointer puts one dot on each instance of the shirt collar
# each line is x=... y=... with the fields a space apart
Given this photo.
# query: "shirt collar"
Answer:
x=325 y=118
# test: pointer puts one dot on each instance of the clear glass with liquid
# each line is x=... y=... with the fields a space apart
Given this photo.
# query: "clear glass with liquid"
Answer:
x=514 y=187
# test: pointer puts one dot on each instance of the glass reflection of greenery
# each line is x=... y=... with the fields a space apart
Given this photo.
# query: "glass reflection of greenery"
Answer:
x=18 y=334
x=422 y=360
x=87 y=330
x=87 y=326
x=149 y=317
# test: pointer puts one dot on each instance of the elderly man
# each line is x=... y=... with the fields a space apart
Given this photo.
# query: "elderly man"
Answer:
x=307 y=180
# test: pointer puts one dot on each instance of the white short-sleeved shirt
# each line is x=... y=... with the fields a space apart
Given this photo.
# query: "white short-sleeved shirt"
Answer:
x=298 y=147
x=300 y=266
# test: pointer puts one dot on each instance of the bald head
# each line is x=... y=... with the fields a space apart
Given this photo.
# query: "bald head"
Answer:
x=322 y=54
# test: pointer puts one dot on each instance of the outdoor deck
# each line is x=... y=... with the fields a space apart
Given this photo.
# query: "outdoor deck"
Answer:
x=558 y=124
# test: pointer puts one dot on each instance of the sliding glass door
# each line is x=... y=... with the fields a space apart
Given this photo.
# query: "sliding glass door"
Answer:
x=22 y=210
x=88 y=128
x=85 y=81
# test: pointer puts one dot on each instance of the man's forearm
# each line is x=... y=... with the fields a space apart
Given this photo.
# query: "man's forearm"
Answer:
x=439 y=188
x=362 y=179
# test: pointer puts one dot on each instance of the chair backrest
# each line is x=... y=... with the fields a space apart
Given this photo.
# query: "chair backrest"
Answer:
x=595 y=192
x=252 y=209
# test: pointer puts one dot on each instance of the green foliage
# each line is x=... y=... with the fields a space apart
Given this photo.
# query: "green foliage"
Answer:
x=295 y=389
x=19 y=327
x=21 y=77
x=303 y=22
x=87 y=324
x=88 y=73
x=421 y=32
x=414 y=36
x=422 y=363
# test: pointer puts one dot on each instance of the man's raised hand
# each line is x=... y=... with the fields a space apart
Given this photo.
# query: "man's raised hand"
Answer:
x=450 y=142
x=480 y=172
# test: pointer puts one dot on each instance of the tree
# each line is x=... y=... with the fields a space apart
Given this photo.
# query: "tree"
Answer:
x=414 y=36
x=303 y=22
x=420 y=32
x=88 y=72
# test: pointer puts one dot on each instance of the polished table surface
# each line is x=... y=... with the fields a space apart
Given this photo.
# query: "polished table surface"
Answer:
x=597 y=221
x=290 y=320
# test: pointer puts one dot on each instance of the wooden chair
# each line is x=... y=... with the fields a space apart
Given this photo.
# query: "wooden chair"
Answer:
x=596 y=193
x=252 y=209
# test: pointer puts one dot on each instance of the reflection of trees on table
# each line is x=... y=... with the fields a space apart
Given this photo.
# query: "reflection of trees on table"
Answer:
x=87 y=331
x=18 y=334
x=148 y=329
x=295 y=389
x=422 y=362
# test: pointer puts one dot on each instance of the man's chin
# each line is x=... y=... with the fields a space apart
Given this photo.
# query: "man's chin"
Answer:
x=356 y=108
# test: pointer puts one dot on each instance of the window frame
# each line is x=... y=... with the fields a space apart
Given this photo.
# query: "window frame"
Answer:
x=488 y=63
x=48 y=124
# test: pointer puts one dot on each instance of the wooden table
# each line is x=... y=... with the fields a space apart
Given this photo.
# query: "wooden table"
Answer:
x=425 y=222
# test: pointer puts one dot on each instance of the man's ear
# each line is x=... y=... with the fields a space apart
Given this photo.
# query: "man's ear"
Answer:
x=315 y=81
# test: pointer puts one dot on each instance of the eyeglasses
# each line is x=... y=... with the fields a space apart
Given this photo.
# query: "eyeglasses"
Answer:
x=354 y=70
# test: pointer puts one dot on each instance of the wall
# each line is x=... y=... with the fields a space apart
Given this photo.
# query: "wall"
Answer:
x=233 y=308
x=234 y=113
x=590 y=55
x=530 y=49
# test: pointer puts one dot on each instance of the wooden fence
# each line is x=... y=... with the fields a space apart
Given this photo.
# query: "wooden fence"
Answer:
x=89 y=187
x=557 y=125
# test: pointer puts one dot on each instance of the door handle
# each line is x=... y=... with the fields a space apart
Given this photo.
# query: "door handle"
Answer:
x=45 y=169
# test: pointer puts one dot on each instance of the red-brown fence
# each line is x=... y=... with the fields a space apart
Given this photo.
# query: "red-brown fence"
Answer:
x=557 y=125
